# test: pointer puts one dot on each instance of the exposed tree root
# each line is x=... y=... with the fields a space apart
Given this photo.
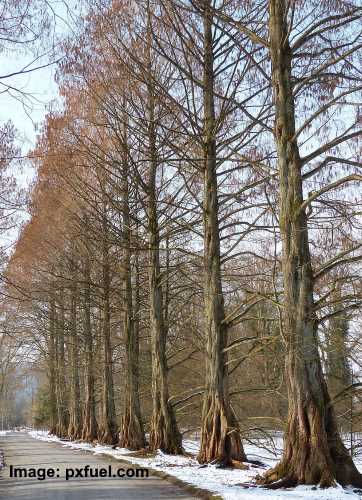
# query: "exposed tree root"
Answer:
x=288 y=474
x=287 y=482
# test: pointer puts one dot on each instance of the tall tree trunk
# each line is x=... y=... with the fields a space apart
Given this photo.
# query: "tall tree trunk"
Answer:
x=75 y=415
x=220 y=438
x=131 y=433
x=62 y=403
x=90 y=427
x=52 y=368
x=313 y=449
x=164 y=433
x=108 y=425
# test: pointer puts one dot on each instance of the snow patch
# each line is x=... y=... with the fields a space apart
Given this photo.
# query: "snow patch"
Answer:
x=223 y=482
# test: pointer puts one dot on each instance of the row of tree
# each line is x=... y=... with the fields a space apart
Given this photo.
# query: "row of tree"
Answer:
x=195 y=222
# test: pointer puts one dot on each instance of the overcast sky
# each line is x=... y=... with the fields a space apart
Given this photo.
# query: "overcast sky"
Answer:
x=27 y=110
x=27 y=106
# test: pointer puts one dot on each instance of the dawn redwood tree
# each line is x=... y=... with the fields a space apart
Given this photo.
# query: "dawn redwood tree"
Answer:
x=162 y=163
x=214 y=143
x=108 y=425
x=62 y=396
x=131 y=434
x=75 y=416
x=313 y=449
x=103 y=149
x=134 y=59
x=137 y=56
x=314 y=50
x=90 y=426
x=59 y=223
x=87 y=190
x=51 y=358
x=220 y=437
x=164 y=433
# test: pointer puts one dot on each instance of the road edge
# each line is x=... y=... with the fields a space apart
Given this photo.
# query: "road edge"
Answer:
x=188 y=487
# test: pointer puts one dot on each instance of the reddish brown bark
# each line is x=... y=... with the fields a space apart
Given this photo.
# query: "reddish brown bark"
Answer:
x=107 y=432
x=62 y=400
x=131 y=432
x=52 y=368
x=75 y=417
x=220 y=438
x=164 y=433
x=313 y=449
x=90 y=426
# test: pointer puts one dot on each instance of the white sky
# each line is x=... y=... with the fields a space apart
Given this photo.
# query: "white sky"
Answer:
x=27 y=106
x=26 y=111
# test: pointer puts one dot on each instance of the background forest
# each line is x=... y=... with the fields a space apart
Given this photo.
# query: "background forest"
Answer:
x=192 y=260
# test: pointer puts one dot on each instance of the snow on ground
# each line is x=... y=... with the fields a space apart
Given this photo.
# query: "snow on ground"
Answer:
x=2 y=462
x=224 y=482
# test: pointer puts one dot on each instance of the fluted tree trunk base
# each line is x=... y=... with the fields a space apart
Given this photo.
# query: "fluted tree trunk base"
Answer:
x=107 y=436
x=131 y=434
x=220 y=438
x=74 y=432
x=314 y=453
x=53 y=430
x=90 y=431
x=61 y=430
x=164 y=434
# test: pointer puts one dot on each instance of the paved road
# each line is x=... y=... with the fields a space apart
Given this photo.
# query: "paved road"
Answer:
x=21 y=450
